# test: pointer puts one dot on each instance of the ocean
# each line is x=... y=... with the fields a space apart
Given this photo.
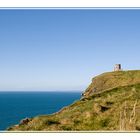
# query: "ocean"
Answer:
x=15 y=106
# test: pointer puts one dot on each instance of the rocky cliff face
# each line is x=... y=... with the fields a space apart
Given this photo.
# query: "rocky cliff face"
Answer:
x=111 y=102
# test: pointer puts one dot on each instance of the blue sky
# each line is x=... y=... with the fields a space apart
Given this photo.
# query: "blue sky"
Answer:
x=64 y=49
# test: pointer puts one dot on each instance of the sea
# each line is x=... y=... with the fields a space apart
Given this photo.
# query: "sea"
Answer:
x=15 y=106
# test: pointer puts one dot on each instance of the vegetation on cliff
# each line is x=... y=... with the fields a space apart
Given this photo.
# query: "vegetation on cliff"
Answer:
x=111 y=102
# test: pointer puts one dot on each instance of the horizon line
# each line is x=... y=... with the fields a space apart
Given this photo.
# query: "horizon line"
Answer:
x=86 y=8
x=41 y=91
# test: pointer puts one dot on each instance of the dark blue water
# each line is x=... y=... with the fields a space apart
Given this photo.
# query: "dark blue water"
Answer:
x=15 y=106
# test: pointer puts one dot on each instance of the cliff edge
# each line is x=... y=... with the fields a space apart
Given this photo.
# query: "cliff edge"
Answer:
x=110 y=103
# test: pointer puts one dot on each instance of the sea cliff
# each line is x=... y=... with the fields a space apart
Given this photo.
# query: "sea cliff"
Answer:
x=110 y=103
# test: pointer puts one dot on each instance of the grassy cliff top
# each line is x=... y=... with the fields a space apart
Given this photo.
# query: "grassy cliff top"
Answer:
x=110 y=80
x=114 y=106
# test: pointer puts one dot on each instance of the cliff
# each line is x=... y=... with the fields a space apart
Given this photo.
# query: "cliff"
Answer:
x=111 y=102
x=110 y=80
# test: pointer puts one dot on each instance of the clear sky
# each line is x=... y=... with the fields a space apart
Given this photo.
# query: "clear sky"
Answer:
x=64 y=49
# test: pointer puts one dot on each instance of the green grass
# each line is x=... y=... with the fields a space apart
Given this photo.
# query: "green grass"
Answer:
x=115 y=108
x=110 y=80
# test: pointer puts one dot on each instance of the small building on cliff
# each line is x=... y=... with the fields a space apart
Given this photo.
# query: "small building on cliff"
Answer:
x=117 y=67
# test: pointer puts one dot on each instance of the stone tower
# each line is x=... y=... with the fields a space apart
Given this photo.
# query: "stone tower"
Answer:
x=117 y=67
